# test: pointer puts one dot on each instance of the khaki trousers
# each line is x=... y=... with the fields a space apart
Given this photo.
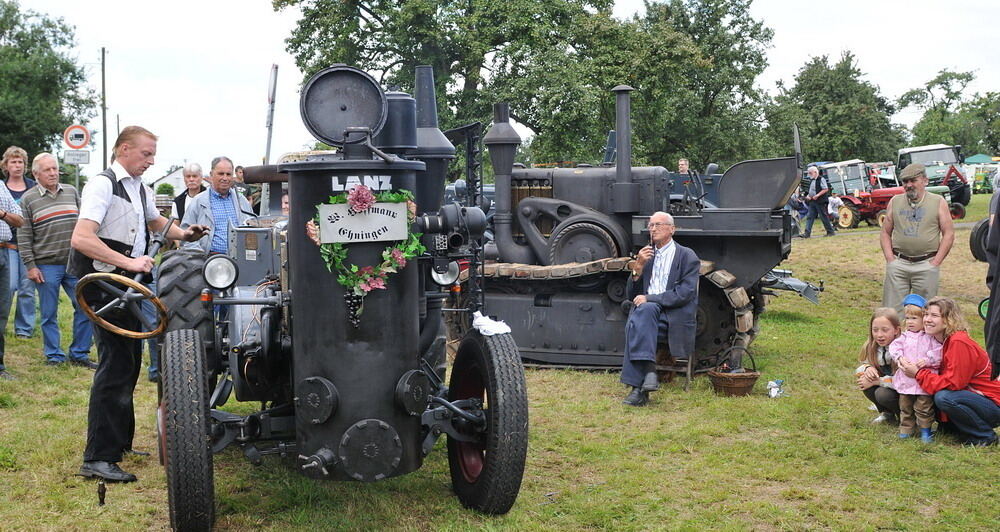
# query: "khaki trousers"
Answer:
x=903 y=278
x=921 y=405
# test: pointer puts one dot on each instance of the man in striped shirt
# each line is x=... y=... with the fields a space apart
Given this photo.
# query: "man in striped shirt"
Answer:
x=50 y=212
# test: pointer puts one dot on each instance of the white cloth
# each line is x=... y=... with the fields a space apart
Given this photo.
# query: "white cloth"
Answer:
x=834 y=205
x=488 y=327
x=96 y=198
x=663 y=259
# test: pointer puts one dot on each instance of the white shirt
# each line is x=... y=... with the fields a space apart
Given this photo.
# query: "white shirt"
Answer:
x=663 y=258
x=834 y=205
x=96 y=197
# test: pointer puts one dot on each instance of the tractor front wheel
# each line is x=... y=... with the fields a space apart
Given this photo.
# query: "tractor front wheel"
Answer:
x=881 y=216
x=486 y=474
x=848 y=217
x=957 y=211
x=183 y=423
x=977 y=239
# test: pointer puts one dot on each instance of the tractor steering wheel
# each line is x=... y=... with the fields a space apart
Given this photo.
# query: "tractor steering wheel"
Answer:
x=128 y=293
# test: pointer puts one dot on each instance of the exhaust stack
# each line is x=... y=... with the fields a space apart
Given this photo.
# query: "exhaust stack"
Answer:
x=625 y=197
x=433 y=147
x=502 y=142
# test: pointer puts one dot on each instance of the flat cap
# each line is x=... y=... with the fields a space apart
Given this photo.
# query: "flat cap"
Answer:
x=913 y=170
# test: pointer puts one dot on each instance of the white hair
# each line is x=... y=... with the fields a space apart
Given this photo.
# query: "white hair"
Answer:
x=193 y=168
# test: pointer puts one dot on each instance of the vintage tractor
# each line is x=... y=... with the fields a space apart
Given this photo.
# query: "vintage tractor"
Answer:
x=944 y=168
x=564 y=238
x=866 y=192
x=346 y=394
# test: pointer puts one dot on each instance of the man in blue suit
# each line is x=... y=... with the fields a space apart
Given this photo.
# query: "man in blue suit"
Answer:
x=664 y=289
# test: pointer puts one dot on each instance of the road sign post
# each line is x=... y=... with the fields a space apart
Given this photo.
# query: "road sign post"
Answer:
x=76 y=138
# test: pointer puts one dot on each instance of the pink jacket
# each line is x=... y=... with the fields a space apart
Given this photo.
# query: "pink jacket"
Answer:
x=914 y=346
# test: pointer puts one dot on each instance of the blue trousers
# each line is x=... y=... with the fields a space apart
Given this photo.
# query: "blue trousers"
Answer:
x=153 y=344
x=48 y=294
x=646 y=323
x=970 y=414
x=24 y=316
x=4 y=303
x=817 y=210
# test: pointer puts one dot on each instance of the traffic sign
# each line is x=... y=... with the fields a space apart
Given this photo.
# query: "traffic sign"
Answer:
x=76 y=157
x=76 y=137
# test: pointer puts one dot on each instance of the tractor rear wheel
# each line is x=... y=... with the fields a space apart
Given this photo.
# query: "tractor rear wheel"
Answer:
x=977 y=239
x=486 y=475
x=179 y=288
x=183 y=423
x=957 y=211
x=848 y=216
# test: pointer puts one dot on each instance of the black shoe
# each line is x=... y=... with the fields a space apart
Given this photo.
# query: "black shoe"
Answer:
x=637 y=397
x=651 y=383
x=830 y=234
x=154 y=378
x=85 y=362
x=4 y=376
x=107 y=470
x=133 y=452
x=54 y=362
x=804 y=235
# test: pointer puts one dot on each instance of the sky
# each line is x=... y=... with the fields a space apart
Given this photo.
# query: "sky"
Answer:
x=196 y=73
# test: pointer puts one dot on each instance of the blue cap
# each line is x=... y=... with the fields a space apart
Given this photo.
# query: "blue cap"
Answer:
x=915 y=299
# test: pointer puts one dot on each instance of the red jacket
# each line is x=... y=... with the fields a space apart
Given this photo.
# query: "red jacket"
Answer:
x=964 y=366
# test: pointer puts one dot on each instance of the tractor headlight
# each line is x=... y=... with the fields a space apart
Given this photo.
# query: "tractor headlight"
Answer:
x=220 y=272
x=447 y=277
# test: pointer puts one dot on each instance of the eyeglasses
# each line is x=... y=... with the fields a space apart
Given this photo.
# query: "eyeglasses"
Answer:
x=654 y=225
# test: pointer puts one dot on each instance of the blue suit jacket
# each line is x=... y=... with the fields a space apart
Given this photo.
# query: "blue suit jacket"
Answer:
x=679 y=302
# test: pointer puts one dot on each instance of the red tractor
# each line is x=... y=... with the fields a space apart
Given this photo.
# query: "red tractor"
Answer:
x=866 y=190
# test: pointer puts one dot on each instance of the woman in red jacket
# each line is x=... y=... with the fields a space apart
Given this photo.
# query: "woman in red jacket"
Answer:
x=967 y=400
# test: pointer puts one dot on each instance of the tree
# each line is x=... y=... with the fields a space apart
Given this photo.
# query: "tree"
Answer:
x=42 y=90
x=462 y=41
x=840 y=115
x=950 y=119
x=165 y=188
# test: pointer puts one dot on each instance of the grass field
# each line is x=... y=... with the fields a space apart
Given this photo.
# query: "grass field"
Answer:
x=691 y=460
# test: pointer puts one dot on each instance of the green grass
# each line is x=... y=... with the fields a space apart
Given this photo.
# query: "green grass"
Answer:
x=691 y=460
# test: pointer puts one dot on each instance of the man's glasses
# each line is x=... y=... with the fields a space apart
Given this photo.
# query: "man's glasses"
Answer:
x=654 y=225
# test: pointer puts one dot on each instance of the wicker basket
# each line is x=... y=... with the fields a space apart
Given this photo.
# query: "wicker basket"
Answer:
x=734 y=384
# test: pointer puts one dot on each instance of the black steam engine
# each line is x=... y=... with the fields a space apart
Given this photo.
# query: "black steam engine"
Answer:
x=331 y=317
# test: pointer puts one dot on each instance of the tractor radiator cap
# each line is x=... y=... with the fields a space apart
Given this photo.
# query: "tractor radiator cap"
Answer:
x=340 y=97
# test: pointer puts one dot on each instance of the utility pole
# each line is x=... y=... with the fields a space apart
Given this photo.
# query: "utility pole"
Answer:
x=104 y=112
x=265 y=191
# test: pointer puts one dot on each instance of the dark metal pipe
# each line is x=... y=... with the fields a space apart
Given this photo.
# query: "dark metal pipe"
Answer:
x=502 y=142
x=623 y=129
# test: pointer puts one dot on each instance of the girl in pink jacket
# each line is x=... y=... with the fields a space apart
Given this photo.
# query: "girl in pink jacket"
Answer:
x=914 y=345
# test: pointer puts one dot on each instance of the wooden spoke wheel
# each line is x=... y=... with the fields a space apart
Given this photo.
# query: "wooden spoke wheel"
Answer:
x=126 y=294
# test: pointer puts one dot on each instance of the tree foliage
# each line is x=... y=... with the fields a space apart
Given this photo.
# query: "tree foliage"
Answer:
x=951 y=118
x=42 y=90
x=692 y=62
x=840 y=115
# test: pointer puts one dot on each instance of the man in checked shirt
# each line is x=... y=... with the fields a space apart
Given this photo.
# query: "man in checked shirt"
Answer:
x=664 y=289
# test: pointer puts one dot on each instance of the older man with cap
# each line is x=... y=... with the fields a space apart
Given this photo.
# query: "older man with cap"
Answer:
x=916 y=237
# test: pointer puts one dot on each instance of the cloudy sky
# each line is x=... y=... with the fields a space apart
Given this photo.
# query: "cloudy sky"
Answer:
x=196 y=73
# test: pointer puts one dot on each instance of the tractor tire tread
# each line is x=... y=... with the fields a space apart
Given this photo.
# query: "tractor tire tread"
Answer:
x=188 y=452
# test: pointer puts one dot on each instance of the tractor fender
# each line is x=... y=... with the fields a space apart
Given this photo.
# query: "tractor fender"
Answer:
x=851 y=199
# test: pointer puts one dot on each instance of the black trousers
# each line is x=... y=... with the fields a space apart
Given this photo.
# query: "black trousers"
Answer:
x=111 y=418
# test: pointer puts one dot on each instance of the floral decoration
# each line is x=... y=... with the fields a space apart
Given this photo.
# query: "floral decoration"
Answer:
x=360 y=280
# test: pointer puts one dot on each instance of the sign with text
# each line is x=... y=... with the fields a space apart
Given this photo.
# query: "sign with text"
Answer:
x=380 y=222
x=76 y=157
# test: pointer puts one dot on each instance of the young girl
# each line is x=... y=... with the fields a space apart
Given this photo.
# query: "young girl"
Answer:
x=918 y=347
x=875 y=364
